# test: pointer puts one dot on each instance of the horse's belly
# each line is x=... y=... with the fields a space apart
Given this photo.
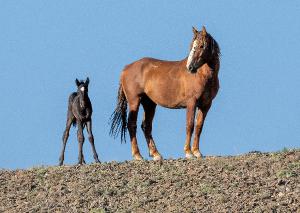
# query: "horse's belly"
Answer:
x=166 y=99
x=165 y=87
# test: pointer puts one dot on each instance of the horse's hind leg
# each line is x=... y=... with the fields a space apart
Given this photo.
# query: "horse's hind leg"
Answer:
x=65 y=138
x=149 y=108
x=91 y=139
x=132 y=117
x=80 y=138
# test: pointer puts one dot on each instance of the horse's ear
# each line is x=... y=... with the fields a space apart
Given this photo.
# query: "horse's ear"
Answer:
x=195 y=31
x=77 y=82
x=203 y=31
x=87 y=81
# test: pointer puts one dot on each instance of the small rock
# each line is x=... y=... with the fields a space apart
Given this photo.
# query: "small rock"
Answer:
x=281 y=182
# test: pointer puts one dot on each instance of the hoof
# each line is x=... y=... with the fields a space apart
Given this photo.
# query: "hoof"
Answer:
x=137 y=157
x=198 y=155
x=80 y=163
x=60 y=161
x=158 y=158
x=189 y=155
x=97 y=161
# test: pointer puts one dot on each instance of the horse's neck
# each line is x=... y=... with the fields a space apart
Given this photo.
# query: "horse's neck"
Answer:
x=184 y=61
x=214 y=64
x=182 y=64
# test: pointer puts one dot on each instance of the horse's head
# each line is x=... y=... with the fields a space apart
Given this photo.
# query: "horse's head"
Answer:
x=200 y=50
x=82 y=87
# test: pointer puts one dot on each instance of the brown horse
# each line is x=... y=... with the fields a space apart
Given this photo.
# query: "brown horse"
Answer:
x=191 y=83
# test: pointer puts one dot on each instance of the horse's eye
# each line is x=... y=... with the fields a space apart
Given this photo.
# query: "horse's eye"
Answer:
x=201 y=46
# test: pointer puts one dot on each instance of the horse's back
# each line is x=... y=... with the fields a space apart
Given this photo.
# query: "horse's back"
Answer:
x=160 y=80
x=132 y=76
x=138 y=65
x=146 y=62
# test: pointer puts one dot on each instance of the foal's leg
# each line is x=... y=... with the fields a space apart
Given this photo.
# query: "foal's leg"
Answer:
x=132 y=117
x=91 y=139
x=80 y=138
x=65 y=138
x=201 y=114
x=149 y=108
x=190 y=116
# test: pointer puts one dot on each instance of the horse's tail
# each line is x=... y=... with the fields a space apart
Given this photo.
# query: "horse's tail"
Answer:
x=118 y=118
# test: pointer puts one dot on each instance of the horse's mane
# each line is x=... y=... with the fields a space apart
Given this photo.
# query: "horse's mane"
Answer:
x=215 y=52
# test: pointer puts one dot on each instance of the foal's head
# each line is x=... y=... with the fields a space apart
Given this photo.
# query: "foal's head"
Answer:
x=201 y=49
x=82 y=89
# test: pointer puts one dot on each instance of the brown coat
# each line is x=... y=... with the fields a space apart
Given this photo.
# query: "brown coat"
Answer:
x=191 y=83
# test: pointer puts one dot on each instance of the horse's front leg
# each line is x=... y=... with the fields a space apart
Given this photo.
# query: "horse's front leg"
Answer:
x=201 y=114
x=91 y=139
x=80 y=138
x=190 y=117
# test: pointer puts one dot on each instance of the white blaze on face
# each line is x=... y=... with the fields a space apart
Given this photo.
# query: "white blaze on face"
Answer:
x=192 y=52
x=82 y=89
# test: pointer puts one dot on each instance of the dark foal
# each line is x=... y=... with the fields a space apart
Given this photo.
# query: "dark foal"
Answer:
x=80 y=113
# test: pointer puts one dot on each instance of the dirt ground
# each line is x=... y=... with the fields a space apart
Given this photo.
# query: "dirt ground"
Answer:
x=254 y=182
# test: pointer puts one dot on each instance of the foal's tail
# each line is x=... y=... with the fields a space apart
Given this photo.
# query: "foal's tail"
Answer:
x=118 y=118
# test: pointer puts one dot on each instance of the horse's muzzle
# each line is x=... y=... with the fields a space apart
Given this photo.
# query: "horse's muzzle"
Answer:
x=192 y=68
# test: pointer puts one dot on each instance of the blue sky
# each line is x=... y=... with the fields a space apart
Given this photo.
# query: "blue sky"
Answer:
x=45 y=45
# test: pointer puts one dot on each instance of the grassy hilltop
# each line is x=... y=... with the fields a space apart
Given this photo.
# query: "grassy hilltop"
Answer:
x=254 y=182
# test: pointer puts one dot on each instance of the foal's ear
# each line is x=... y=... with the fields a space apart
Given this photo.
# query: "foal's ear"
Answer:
x=77 y=82
x=87 y=81
x=203 y=31
x=195 y=31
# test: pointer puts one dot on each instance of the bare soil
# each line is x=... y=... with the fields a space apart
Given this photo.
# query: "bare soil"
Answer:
x=254 y=182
